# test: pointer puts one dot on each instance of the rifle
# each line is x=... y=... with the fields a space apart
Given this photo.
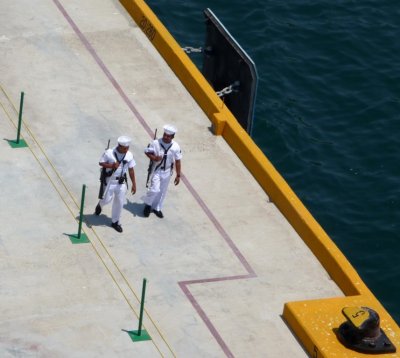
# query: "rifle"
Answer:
x=103 y=176
x=149 y=169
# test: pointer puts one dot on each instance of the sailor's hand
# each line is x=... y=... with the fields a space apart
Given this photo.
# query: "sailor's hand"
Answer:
x=115 y=165
x=133 y=189
x=177 y=179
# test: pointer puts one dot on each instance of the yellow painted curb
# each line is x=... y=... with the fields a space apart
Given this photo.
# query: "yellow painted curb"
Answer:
x=316 y=321
x=176 y=58
x=312 y=321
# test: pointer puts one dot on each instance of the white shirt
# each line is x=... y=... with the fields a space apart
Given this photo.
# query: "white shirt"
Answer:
x=174 y=153
x=108 y=157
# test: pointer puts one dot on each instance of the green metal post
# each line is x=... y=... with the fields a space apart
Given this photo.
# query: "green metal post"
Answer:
x=140 y=335
x=21 y=105
x=80 y=237
x=141 y=307
x=81 y=211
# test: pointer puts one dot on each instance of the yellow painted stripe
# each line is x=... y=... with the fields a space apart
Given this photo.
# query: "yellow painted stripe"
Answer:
x=312 y=321
x=181 y=64
x=73 y=213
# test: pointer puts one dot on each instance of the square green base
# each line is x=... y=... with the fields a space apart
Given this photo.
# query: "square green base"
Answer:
x=20 y=144
x=75 y=240
x=144 y=336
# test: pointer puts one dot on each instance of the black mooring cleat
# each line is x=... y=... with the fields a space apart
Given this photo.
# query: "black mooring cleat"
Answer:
x=361 y=332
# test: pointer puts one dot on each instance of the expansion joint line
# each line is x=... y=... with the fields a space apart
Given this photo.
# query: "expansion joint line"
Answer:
x=184 y=284
x=54 y=170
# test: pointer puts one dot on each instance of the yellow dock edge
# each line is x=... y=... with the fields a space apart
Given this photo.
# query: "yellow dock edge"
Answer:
x=314 y=321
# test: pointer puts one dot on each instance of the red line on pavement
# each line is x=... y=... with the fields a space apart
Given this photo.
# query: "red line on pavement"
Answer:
x=104 y=68
x=218 y=226
x=183 y=284
x=206 y=320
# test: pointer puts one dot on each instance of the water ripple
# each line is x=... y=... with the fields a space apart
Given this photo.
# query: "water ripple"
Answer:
x=327 y=115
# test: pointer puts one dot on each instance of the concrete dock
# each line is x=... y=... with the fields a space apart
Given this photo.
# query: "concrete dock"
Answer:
x=219 y=267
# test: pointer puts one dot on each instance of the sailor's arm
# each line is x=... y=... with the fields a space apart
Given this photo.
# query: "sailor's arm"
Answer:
x=178 y=172
x=109 y=165
x=154 y=157
x=151 y=152
x=133 y=180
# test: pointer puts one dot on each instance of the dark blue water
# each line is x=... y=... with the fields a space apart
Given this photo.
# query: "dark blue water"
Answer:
x=327 y=113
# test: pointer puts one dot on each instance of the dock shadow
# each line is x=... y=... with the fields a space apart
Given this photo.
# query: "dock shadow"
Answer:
x=10 y=140
x=315 y=354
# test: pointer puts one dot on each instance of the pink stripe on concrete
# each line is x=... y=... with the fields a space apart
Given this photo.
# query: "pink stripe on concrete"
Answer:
x=218 y=279
x=206 y=320
x=218 y=226
x=104 y=68
x=183 y=284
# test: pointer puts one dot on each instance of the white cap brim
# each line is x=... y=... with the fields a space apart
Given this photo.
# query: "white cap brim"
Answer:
x=169 y=129
x=124 y=141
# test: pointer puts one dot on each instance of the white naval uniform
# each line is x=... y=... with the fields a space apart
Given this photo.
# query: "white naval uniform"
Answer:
x=161 y=173
x=115 y=189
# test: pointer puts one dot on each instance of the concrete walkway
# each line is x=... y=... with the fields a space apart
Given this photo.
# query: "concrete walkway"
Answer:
x=220 y=265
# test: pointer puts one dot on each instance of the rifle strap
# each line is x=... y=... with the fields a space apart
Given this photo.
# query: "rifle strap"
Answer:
x=163 y=162
x=122 y=170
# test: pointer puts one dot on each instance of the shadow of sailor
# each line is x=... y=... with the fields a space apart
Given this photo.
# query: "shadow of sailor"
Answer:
x=135 y=208
x=96 y=220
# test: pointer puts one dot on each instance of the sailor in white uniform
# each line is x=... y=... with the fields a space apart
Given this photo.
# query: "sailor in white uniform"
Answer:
x=165 y=154
x=117 y=162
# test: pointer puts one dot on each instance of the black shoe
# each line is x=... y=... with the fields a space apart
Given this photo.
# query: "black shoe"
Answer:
x=146 y=211
x=158 y=213
x=117 y=226
x=98 y=210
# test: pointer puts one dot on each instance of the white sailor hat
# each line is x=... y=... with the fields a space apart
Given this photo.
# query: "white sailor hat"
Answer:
x=124 y=141
x=169 y=129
